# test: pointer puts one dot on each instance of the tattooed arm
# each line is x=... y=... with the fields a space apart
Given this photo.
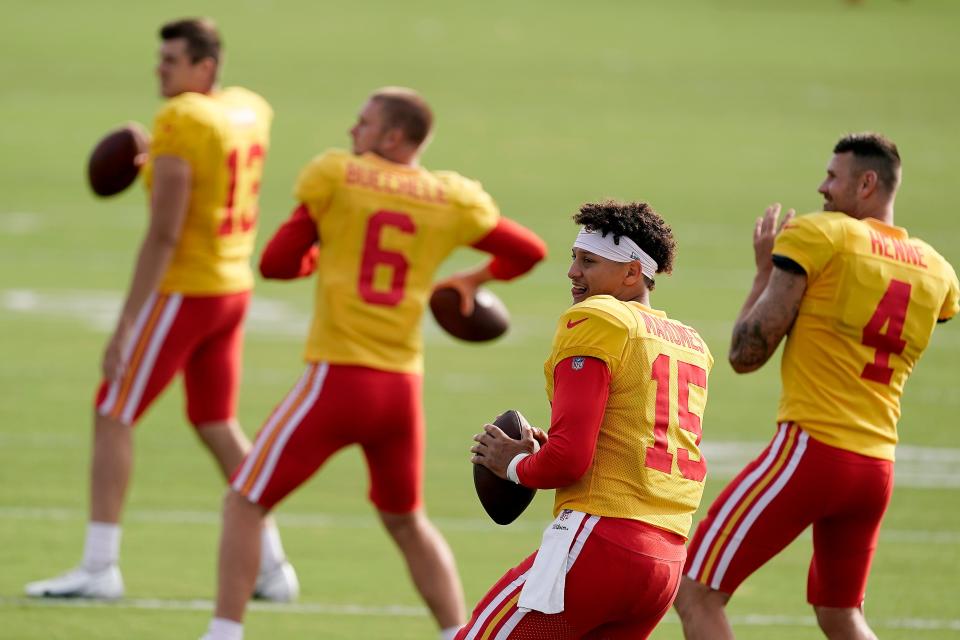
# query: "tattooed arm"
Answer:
x=766 y=317
x=773 y=301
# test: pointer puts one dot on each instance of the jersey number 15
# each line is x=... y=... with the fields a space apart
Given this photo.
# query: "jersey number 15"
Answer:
x=659 y=456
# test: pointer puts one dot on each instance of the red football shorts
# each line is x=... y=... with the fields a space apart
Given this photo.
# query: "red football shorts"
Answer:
x=331 y=407
x=201 y=336
x=797 y=481
x=622 y=577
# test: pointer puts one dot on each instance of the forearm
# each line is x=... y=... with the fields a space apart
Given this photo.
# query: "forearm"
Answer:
x=152 y=262
x=766 y=317
x=748 y=347
x=169 y=201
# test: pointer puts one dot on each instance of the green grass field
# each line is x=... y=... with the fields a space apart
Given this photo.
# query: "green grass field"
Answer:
x=708 y=109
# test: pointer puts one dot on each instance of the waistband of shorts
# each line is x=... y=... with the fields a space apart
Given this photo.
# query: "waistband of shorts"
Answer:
x=352 y=368
x=631 y=534
x=844 y=456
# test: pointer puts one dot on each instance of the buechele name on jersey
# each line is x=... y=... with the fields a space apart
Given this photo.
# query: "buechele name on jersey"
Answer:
x=411 y=185
x=895 y=249
x=672 y=332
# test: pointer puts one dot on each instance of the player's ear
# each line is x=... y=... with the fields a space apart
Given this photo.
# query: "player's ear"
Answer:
x=633 y=274
x=394 y=137
x=208 y=66
x=868 y=182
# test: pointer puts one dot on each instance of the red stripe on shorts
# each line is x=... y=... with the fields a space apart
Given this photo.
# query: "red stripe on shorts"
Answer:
x=745 y=504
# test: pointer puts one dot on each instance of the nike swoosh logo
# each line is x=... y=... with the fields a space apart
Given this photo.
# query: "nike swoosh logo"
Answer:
x=571 y=324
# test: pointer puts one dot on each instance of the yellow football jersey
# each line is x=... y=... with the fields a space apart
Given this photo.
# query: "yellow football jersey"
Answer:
x=648 y=465
x=873 y=297
x=384 y=229
x=224 y=137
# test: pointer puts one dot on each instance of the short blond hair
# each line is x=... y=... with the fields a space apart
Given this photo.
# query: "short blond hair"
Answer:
x=406 y=110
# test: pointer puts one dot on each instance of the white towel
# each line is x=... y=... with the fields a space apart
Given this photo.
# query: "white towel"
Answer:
x=546 y=579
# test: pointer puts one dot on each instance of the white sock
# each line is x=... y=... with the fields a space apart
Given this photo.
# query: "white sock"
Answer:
x=271 y=549
x=449 y=633
x=223 y=629
x=102 y=546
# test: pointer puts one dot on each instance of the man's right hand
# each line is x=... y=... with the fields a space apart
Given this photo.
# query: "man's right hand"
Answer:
x=466 y=283
x=113 y=365
x=765 y=232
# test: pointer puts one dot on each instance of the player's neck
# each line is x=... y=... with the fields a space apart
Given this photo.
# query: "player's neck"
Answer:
x=643 y=297
x=882 y=214
x=399 y=157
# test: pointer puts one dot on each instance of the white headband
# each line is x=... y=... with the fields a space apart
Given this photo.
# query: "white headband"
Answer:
x=626 y=251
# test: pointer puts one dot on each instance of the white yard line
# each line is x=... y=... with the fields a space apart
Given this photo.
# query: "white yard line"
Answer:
x=21 y=223
x=326 y=609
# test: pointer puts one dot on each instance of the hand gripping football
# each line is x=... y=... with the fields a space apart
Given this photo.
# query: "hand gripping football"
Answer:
x=489 y=319
x=502 y=499
x=115 y=161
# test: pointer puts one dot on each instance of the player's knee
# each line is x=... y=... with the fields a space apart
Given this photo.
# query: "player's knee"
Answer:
x=843 y=623
x=236 y=504
x=694 y=597
x=404 y=526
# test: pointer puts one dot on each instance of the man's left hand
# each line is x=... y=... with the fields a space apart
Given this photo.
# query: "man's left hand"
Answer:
x=495 y=449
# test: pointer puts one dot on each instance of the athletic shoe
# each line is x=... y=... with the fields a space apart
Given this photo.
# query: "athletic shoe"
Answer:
x=279 y=584
x=106 y=584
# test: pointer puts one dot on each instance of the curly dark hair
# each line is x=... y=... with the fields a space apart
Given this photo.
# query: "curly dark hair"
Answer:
x=636 y=220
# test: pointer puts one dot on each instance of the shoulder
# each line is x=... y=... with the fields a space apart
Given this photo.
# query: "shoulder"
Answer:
x=328 y=163
x=460 y=188
x=245 y=97
x=321 y=175
x=605 y=310
x=596 y=327
x=598 y=318
x=811 y=239
x=189 y=108
x=935 y=259
x=828 y=223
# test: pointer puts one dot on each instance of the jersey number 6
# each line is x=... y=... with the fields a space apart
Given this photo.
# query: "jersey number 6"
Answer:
x=658 y=456
x=375 y=256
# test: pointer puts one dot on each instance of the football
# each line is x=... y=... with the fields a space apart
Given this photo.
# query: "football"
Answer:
x=490 y=318
x=115 y=161
x=502 y=499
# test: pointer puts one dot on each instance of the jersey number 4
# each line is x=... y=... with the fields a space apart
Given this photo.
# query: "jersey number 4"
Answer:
x=891 y=313
x=659 y=456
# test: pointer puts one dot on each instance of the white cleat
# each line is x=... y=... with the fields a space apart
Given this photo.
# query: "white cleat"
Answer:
x=279 y=584
x=106 y=584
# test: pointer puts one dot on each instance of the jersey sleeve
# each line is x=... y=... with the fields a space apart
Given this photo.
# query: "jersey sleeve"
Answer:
x=318 y=181
x=581 y=389
x=586 y=331
x=515 y=249
x=292 y=251
x=180 y=129
x=951 y=304
x=810 y=241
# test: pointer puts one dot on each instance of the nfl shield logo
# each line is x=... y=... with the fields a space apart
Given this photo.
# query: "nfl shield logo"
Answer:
x=578 y=363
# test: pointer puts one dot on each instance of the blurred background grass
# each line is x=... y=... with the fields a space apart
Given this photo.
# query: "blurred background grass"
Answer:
x=708 y=109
